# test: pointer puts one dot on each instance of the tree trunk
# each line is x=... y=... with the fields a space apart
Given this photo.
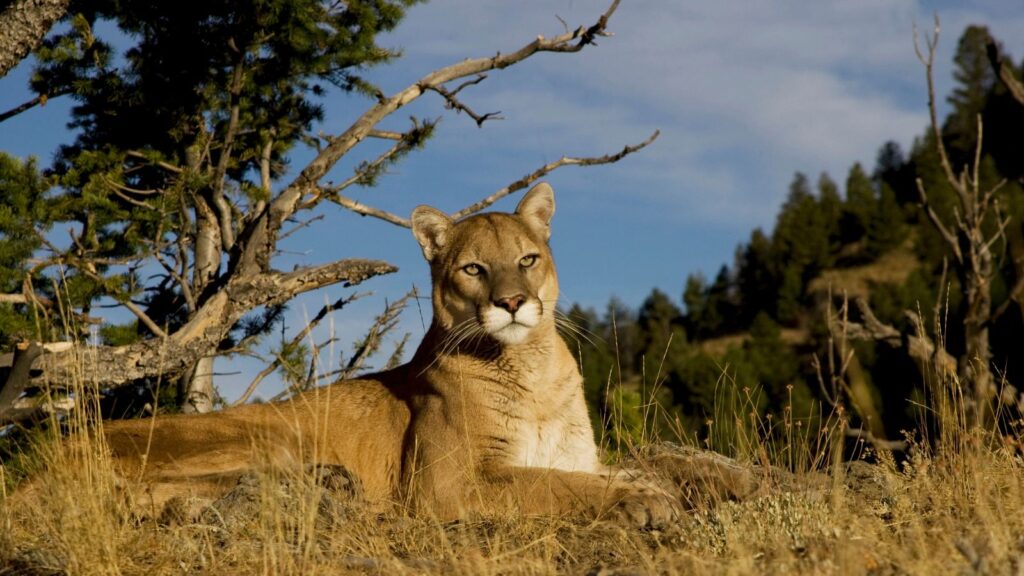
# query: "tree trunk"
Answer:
x=196 y=392
x=975 y=366
x=199 y=392
x=23 y=24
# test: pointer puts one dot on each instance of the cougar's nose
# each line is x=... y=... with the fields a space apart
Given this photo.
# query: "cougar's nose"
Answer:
x=510 y=303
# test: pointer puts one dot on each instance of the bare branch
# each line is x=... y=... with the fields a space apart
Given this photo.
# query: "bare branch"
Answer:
x=530 y=178
x=453 y=103
x=13 y=299
x=878 y=443
x=468 y=83
x=525 y=181
x=301 y=225
x=118 y=190
x=936 y=221
x=366 y=172
x=599 y=28
x=871 y=327
x=186 y=289
x=385 y=322
x=346 y=272
x=165 y=165
x=234 y=93
x=278 y=360
x=144 y=318
x=364 y=210
x=127 y=303
x=917 y=344
x=265 y=155
x=307 y=181
x=1013 y=296
x=1000 y=233
x=929 y=66
x=385 y=135
x=39 y=100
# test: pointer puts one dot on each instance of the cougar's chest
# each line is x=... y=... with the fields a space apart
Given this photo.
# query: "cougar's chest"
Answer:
x=553 y=431
x=554 y=444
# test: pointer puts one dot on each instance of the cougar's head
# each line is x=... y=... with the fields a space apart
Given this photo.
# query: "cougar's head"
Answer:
x=492 y=273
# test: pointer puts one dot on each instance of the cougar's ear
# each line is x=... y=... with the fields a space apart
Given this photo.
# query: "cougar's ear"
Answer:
x=537 y=208
x=431 y=228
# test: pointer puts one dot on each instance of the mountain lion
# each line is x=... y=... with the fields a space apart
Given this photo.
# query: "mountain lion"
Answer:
x=488 y=415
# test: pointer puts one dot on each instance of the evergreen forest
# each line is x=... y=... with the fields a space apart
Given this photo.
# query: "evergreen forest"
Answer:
x=761 y=338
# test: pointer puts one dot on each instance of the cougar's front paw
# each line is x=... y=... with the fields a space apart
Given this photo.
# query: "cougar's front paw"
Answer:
x=645 y=507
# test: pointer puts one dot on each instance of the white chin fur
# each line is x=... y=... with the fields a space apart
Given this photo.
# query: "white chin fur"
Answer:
x=503 y=327
x=513 y=333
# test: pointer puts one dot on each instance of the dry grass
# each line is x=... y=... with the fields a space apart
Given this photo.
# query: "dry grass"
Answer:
x=718 y=347
x=893 y=267
x=955 y=506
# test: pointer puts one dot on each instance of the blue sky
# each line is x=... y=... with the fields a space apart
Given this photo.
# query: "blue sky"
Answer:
x=745 y=93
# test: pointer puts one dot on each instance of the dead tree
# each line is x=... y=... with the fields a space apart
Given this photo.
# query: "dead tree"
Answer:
x=976 y=229
x=973 y=236
x=219 y=296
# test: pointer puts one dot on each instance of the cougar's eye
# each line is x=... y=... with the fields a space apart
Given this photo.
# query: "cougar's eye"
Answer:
x=472 y=269
x=527 y=261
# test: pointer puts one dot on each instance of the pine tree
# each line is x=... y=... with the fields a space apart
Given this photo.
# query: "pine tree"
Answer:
x=893 y=168
x=831 y=206
x=754 y=278
x=859 y=208
x=974 y=82
x=695 y=300
x=659 y=330
x=801 y=241
x=722 y=303
x=887 y=229
x=173 y=184
x=776 y=367
x=224 y=91
x=21 y=209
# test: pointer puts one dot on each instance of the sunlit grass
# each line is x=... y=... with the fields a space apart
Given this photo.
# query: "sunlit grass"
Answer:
x=954 y=502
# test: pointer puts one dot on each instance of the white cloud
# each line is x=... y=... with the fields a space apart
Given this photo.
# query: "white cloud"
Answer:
x=746 y=92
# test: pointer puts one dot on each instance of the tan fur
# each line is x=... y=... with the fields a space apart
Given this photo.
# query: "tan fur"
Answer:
x=488 y=415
